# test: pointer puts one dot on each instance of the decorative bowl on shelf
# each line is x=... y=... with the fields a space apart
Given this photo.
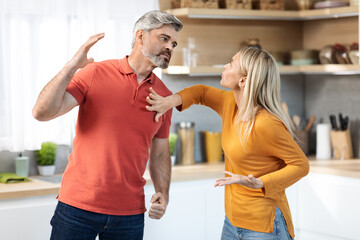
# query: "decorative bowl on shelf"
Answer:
x=303 y=57
x=354 y=56
x=341 y=54
x=327 y=55
x=330 y=4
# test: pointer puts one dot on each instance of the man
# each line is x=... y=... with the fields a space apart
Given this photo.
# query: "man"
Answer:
x=102 y=188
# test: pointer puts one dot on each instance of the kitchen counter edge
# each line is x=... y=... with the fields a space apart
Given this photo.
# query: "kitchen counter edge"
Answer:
x=345 y=168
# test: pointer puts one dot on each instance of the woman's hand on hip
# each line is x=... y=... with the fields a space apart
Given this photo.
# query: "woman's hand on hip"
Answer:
x=248 y=181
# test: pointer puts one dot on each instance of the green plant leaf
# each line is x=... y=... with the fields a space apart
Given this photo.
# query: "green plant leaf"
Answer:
x=172 y=142
x=47 y=154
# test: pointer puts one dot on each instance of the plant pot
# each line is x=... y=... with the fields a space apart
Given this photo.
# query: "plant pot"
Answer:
x=46 y=170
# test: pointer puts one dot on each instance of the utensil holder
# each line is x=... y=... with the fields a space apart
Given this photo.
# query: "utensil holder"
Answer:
x=341 y=144
x=303 y=140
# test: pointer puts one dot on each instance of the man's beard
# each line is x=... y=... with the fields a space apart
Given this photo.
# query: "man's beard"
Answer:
x=156 y=59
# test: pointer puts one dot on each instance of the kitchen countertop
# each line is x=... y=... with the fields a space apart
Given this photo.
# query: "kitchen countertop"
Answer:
x=36 y=187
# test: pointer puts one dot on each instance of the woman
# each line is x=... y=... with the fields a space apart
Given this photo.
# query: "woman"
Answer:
x=261 y=157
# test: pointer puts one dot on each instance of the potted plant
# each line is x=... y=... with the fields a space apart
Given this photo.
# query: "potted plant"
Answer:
x=172 y=143
x=46 y=158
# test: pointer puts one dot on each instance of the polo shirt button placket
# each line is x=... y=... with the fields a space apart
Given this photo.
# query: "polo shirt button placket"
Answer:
x=138 y=87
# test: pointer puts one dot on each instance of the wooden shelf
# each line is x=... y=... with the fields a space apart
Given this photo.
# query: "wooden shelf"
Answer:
x=205 y=13
x=194 y=71
x=336 y=69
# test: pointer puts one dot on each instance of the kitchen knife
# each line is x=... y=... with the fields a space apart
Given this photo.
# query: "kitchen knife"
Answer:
x=333 y=122
x=346 y=123
x=341 y=121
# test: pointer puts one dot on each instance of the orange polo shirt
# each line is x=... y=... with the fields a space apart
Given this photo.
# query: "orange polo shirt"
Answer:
x=270 y=153
x=114 y=132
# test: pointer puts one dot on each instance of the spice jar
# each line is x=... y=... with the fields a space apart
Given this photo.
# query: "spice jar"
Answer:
x=186 y=133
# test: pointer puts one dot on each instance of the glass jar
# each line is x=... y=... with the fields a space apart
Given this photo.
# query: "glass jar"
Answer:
x=186 y=133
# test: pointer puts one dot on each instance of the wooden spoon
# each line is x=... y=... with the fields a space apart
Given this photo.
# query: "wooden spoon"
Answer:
x=296 y=119
x=310 y=123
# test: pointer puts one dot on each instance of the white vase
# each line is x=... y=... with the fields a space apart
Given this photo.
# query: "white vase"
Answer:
x=48 y=170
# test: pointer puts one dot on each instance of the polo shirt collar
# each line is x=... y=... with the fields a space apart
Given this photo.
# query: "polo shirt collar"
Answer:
x=125 y=68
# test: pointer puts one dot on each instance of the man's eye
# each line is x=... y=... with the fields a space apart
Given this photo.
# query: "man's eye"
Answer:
x=163 y=38
x=174 y=45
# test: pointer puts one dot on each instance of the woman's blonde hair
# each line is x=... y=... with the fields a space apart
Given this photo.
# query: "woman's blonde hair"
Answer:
x=262 y=89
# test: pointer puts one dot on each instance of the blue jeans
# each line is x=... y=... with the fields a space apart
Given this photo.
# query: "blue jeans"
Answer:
x=280 y=232
x=70 y=223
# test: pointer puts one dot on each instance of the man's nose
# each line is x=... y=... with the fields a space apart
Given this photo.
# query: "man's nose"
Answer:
x=169 y=47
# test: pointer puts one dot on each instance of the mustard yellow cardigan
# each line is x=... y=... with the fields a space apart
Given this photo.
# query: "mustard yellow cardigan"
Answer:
x=270 y=153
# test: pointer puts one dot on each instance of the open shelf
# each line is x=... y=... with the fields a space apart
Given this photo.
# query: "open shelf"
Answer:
x=205 y=13
x=337 y=69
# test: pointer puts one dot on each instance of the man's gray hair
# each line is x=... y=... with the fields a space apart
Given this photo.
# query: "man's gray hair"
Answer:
x=155 y=19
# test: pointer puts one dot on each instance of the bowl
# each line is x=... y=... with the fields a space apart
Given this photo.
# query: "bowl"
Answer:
x=330 y=4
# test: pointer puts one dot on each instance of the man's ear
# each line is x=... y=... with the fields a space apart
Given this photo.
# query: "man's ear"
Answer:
x=139 y=36
x=242 y=81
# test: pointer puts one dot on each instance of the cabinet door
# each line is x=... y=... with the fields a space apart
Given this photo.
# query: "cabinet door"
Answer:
x=27 y=218
x=215 y=212
x=292 y=194
x=329 y=206
x=195 y=211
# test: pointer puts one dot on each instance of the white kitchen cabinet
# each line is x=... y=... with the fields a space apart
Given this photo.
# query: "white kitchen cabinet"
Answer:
x=27 y=218
x=325 y=207
x=195 y=211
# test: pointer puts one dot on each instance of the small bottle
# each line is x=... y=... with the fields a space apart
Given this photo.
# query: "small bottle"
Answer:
x=22 y=165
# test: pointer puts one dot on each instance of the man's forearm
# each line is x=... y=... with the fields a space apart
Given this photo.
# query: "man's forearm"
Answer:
x=160 y=172
x=52 y=95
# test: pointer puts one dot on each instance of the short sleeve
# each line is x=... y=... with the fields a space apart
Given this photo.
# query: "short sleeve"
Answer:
x=164 y=129
x=81 y=82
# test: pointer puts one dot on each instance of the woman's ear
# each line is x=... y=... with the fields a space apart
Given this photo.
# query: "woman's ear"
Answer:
x=242 y=82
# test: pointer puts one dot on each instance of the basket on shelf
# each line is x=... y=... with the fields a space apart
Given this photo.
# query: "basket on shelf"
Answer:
x=272 y=5
x=235 y=4
x=194 y=4
x=175 y=4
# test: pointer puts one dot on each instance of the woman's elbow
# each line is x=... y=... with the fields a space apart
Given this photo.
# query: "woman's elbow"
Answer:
x=306 y=168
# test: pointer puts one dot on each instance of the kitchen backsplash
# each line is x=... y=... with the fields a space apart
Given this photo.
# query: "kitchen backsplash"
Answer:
x=206 y=119
x=7 y=163
x=334 y=94
x=305 y=95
